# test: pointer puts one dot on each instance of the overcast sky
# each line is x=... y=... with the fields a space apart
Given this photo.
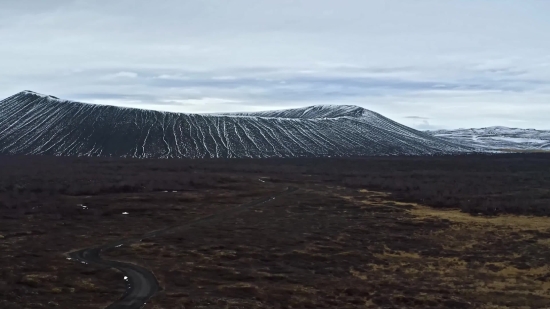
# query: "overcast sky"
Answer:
x=426 y=64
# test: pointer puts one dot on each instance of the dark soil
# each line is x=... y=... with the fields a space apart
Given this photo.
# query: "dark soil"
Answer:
x=357 y=234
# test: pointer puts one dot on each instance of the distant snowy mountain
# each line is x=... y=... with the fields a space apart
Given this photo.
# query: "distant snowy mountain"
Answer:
x=31 y=123
x=498 y=138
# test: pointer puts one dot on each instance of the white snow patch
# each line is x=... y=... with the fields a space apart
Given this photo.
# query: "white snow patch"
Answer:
x=492 y=139
x=125 y=213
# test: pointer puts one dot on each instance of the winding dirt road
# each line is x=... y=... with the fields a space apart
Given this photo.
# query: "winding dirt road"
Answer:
x=141 y=282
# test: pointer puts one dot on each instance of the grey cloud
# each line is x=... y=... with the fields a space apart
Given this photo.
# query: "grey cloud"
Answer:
x=398 y=58
x=425 y=125
x=416 y=117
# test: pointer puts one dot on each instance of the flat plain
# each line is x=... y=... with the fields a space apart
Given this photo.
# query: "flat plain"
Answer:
x=387 y=232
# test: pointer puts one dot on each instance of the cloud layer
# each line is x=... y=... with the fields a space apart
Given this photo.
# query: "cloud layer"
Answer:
x=448 y=64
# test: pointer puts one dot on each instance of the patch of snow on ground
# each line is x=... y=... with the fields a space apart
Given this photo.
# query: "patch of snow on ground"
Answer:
x=495 y=138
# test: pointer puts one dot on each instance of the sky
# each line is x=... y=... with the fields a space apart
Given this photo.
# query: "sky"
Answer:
x=429 y=64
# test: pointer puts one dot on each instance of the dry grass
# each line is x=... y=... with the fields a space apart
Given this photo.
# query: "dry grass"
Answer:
x=484 y=282
x=85 y=284
x=421 y=212
x=518 y=223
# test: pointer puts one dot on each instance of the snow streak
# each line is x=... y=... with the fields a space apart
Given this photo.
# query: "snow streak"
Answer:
x=32 y=123
x=498 y=138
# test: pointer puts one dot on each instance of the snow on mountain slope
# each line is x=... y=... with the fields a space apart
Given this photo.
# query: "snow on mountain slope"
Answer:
x=31 y=123
x=498 y=138
x=311 y=112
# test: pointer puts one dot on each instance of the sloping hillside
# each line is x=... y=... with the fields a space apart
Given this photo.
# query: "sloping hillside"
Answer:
x=499 y=138
x=32 y=123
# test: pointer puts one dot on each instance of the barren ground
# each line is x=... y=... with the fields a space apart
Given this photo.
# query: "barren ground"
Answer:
x=327 y=245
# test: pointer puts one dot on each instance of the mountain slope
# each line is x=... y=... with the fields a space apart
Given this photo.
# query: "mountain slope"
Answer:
x=31 y=123
x=312 y=112
x=499 y=138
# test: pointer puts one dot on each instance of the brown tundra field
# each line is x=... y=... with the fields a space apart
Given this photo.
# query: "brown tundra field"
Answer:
x=384 y=232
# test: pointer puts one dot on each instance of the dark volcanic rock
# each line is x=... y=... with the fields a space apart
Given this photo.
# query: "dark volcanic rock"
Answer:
x=31 y=123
